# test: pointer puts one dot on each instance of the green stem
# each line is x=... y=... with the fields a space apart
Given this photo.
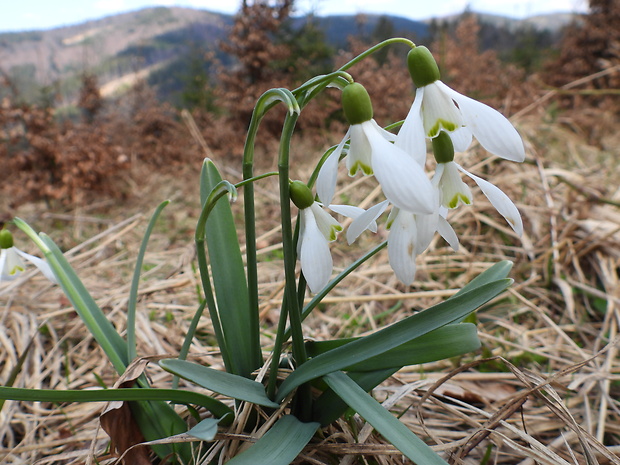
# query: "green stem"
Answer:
x=288 y=245
x=379 y=46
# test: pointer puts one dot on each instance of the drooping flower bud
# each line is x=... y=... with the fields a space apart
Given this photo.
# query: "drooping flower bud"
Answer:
x=301 y=195
x=443 y=149
x=356 y=104
x=422 y=66
x=6 y=239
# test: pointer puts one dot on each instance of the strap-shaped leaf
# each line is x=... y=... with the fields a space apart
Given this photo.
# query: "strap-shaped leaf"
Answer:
x=329 y=406
x=392 y=336
x=280 y=445
x=239 y=324
x=125 y=394
x=445 y=342
x=221 y=382
x=382 y=420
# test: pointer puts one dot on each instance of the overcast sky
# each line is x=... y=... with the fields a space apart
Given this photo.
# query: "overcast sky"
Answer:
x=16 y=15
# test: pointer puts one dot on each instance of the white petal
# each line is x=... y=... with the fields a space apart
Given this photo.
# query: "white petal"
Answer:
x=401 y=247
x=326 y=180
x=387 y=135
x=10 y=264
x=360 y=152
x=426 y=225
x=492 y=129
x=351 y=211
x=439 y=111
x=42 y=265
x=402 y=179
x=452 y=190
x=411 y=136
x=461 y=139
x=446 y=231
x=328 y=226
x=314 y=254
x=366 y=220
x=500 y=201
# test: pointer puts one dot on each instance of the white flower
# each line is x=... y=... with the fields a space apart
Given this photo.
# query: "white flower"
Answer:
x=437 y=108
x=317 y=229
x=410 y=234
x=402 y=179
x=454 y=191
x=12 y=265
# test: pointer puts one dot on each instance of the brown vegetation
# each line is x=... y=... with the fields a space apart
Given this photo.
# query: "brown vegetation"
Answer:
x=543 y=389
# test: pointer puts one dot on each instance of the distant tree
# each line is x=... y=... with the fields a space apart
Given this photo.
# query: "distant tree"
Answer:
x=384 y=29
x=90 y=100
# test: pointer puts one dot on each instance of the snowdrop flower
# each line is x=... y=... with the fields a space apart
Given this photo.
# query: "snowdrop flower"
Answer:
x=438 y=108
x=12 y=263
x=403 y=181
x=453 y=191
x=317 y=230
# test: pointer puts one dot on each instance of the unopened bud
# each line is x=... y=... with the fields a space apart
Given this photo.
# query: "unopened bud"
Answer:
x=356 y=104
x=301 y=195
x=422 y=66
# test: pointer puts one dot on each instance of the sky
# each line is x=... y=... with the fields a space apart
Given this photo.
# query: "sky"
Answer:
x=20 y=15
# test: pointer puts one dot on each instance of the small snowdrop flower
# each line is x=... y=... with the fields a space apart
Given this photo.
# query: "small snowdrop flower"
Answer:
x=12 y=263
x=403 y=181
x=317 y=230
x=438 y=108
x=410 y=234
x=453 y=191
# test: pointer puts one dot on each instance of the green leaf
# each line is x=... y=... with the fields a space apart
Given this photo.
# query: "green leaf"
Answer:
x=108 y=395
x=329 y=406
x=206 y=429
x=445 y=342
x=133 y=292
x=221 y=382
x=382 y=420
x=280 y=445
x=93 y=317
x=392 y=336
x=239 y=324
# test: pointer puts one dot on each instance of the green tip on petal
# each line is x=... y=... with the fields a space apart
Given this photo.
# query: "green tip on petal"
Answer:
x=301 y=195
x=459 y=198
x=6 y=239
x=443 y=149
x=422 y=66
x=356 y=104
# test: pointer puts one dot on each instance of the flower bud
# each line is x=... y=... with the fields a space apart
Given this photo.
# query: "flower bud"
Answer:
x=422 y=66
x=6 y=239
x=356 y=104
x=443 y=149
x=301 y=195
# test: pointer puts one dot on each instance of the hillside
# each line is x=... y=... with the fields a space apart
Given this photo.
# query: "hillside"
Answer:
x=155 y=43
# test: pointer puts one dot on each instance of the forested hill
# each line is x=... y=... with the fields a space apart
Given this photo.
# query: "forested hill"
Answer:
x=162 y=44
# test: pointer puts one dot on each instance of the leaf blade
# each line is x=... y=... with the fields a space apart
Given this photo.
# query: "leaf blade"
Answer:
x=227 y=384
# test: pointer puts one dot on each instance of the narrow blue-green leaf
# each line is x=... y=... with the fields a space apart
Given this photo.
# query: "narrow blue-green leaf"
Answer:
x=221 y=382
x=496 y=272
x=206 y=429
x=445 y=342
x=239 y=323
x=329 y=406
x=280 y=445
x=108 y=395
x=133 y=291
x=93 y=317
x=382 y=420
x=392 y=336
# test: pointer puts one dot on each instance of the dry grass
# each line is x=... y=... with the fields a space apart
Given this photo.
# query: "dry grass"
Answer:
x=543 y=390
